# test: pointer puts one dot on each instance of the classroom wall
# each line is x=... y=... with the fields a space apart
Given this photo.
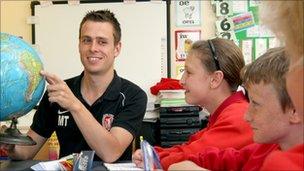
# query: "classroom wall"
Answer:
x=13 y=18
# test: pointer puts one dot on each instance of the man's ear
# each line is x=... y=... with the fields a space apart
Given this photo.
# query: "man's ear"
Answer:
x=294 y=117
x=117 y=49
x=216 y=79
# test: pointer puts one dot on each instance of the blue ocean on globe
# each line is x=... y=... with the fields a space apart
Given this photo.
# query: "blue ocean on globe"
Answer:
x=21 y=84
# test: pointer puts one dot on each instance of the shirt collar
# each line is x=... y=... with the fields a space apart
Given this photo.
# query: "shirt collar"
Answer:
x=111 y=93
x=113 y=90
x=235 y=97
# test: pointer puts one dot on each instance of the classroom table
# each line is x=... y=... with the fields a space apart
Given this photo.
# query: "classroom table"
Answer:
x=13 y=165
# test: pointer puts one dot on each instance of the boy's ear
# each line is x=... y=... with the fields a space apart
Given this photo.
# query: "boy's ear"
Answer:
x=294 y=117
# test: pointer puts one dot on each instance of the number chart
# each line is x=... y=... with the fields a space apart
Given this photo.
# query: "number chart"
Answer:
x=239 y=21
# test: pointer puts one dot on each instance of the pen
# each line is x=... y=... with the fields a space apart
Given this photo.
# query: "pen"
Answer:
x=150 y=157
x=144 y=153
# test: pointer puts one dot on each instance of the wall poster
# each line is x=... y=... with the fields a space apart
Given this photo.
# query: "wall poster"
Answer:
x=188 y=13
x=183 y=42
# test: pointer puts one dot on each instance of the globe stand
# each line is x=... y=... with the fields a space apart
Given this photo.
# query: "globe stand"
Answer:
x=13 y=136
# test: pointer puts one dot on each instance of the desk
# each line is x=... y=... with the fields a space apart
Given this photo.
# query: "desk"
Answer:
x=11 y=165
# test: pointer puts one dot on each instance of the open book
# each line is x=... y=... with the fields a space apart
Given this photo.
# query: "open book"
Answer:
x=82 y=161
x=122 y=166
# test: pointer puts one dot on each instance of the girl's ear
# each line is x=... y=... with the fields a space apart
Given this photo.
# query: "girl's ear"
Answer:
x=216 y=79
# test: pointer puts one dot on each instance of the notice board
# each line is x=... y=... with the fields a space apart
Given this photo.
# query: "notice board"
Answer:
x=143 y=57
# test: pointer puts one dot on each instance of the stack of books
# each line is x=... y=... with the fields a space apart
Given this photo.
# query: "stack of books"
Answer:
x=171 y=98
x=152 y=113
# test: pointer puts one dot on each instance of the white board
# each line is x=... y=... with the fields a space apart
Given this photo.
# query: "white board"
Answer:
x=143 y=56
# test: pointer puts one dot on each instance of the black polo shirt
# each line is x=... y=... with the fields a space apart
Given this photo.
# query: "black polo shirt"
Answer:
x=123 y=104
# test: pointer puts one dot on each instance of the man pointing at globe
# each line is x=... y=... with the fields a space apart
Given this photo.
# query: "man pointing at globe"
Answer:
x=96 y=110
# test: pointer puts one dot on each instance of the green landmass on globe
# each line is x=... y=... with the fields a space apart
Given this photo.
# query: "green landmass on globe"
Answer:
x=21 y=83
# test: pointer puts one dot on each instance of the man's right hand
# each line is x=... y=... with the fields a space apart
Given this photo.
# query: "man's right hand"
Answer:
x=137 y=158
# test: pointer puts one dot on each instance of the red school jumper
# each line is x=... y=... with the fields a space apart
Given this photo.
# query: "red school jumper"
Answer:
x=292 y=159
x=226 y=128
x=249 y=158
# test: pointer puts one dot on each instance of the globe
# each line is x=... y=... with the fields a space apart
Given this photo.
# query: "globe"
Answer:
x=21 y=84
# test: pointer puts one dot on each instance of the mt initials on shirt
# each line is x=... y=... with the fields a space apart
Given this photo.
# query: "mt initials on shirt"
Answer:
x=63 y=120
